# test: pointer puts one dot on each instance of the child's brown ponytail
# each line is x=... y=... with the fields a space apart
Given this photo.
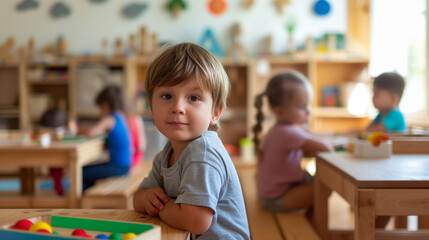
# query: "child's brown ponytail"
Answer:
x=259 y=119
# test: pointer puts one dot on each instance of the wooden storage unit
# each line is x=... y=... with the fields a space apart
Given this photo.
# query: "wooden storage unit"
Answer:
x=13 y=114
x=233 y=121
x=54 y=80
x=335 y=72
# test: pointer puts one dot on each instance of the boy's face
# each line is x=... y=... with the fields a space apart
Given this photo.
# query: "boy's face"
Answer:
x=384 y=100
x=183 y=112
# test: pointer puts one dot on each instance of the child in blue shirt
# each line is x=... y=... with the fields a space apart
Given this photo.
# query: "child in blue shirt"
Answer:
x=388 y=89
x=118 y=141
x=193 y=184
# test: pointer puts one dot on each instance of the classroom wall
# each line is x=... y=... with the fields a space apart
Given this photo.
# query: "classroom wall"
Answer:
x=89 y=23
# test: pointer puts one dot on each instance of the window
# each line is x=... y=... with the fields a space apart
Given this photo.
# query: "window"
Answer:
x=398 y=43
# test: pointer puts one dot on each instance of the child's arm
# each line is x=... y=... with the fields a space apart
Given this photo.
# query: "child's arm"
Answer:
x=376 y=127
x=315 y=145
x=101 y=127
x=150 y=201
x=195 y=219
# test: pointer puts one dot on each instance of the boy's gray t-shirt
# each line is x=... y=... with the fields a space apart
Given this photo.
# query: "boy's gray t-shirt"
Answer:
x=205 y=176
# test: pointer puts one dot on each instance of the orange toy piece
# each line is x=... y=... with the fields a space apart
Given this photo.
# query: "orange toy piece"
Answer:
x=376 y=138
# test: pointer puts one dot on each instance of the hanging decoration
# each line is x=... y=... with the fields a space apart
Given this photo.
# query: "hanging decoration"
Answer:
x=60 y=10
x=133 y=10
x=248 y=3
x=209 y=42
x=217 y=7
x=280 y=4
x=176 y=7
x=27 y=5
x=98 y=1
x=322 y=7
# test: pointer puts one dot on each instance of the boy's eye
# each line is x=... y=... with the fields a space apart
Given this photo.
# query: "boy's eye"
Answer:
x=194 y=98
x=166 y=96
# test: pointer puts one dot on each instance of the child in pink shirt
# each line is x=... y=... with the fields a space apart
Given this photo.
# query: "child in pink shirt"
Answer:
x=282 y=184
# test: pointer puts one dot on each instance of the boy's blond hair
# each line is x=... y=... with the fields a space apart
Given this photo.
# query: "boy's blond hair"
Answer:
x=183 y=62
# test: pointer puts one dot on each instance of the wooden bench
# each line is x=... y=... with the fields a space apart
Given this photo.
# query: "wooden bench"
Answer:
x=264 y=224
x=116 y=192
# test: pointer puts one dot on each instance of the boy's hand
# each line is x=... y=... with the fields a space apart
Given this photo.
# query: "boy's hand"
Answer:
x=155 y=200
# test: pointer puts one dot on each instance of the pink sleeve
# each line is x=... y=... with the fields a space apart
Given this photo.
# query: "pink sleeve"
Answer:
x=294 y=137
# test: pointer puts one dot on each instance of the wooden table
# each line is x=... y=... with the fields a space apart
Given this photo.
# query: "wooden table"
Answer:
x=395 y=186
x=8 y=216
x=71 y=155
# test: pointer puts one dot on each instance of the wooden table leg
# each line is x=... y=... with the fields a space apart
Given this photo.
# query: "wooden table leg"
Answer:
x=365 y=215
x=423 y=222
x=321 y=195
x=75 y=190
x=27 y=180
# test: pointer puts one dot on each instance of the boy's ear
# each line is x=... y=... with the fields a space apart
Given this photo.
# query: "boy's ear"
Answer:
x=396 y=99
x=216 y=115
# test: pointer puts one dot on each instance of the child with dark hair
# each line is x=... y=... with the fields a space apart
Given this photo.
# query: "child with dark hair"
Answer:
x=54 y=120
x=113 y=123
x=388 y=89
x=282 y=184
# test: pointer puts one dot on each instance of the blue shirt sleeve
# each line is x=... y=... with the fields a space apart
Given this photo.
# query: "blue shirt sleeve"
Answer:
x=395 y=122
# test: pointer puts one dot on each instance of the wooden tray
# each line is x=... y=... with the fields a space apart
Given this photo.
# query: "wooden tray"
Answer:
x=65 y=226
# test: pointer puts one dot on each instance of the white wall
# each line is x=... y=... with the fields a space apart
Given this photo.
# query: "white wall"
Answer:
x=89 y=23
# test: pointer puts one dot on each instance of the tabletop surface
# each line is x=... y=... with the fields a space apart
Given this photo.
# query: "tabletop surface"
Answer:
x=8 y=216
x=410 y=171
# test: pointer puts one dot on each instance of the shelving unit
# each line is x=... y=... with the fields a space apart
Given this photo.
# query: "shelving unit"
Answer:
x=13 y=114
x=48 y=84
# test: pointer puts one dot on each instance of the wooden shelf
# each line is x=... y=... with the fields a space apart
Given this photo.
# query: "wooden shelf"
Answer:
x=334 y=112
x=48 y=82
x=89 y=114
x=9 y=112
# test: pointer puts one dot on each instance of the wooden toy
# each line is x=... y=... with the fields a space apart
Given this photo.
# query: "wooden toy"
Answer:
x=237 y=51
x=30 y=49
x=6 y=50
x=154 y=44
x=281 y=4
x=269 y=41
x=143 y=37
x=131 y=44
x=248 y=3
x=176 y=7
x=61 y=47
x=69 y=228
x=105 y=47
x=217 y=7
x=119 y=51
x=22 y=54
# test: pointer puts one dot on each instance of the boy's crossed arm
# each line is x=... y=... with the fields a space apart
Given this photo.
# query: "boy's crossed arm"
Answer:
x=154 y=201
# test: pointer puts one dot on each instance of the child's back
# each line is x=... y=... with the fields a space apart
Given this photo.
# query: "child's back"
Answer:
x=279 y=164
x=282 y=184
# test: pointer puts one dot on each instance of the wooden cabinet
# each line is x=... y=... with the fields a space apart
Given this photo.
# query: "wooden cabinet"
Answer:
x=48 y=85
x=12 y=112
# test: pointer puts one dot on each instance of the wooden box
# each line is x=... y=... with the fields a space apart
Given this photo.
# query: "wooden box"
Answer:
x=65 y=226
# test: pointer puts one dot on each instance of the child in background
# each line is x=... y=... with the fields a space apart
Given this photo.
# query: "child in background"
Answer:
x=193 y=184
x=113 y=123
x=138 y=138
x=54 y=121
x=282 y=185
x=388 y=89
